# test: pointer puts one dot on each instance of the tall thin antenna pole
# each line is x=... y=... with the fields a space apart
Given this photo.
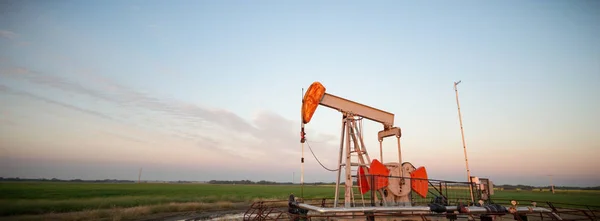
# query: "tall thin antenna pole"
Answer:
x=302 y=139
x=463 y=141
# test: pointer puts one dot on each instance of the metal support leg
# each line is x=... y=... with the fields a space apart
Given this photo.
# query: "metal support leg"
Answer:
x=337 y=184
x=348 y=165
x=400 y=157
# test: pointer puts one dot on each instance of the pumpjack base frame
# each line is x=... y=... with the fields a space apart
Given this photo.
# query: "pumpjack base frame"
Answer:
x=322 y=209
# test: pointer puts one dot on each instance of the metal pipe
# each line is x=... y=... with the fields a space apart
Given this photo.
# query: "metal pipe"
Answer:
x=381 y=150
x=365 y=209
x=477 y=209
x=533 y=209
x=451 y=209
x=337 y=184
x=482 y=210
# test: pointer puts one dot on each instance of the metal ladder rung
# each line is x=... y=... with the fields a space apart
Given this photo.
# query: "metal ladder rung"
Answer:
x=355 y=164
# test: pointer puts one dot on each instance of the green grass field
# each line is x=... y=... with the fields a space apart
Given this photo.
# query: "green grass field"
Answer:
x=20 y=198
x=37 y=198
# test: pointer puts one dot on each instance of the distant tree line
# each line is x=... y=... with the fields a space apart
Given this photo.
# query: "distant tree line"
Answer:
x=262 y=182
x=245 y=182
x=60 y=180
x=527 y=187
x=265 y=182
x=577 y=188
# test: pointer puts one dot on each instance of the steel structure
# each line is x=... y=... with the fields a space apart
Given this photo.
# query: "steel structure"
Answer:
x=351 y=141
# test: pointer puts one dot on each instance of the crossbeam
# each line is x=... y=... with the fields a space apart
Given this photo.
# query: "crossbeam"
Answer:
x=357 y=109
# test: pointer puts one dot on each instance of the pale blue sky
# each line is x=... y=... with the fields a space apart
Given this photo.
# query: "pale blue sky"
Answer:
x=200 y=90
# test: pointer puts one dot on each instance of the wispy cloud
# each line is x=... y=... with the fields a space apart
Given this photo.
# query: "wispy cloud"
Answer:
x=124 y=137
x=8 y=34
x=8 y=90
x=267 y=134
x=7 y=122
x=126 y=96
x=14 y=38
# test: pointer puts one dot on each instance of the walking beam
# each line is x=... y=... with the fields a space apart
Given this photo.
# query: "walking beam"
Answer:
x=315 y=95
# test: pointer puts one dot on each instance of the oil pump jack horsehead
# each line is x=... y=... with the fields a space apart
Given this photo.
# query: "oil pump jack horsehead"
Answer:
x=393 y=180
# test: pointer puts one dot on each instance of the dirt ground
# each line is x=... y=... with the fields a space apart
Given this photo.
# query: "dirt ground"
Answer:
x=196 y=215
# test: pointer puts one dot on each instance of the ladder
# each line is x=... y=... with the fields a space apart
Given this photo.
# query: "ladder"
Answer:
x=357 y=154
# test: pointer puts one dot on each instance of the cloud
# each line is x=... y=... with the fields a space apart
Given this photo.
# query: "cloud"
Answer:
x=126 y=97
x=9 y=90
x=222 y=137
x=280 y=142
x=208 y=142
x=7 y=122
x=8 y=34
x=172 y=107
x=14 y=71
x=55 y=81
x=124 y=137
x=267 y=136
x=13 y=38
x=238 y=146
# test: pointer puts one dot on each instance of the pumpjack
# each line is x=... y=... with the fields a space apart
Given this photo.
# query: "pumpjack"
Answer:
x=374 y=189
